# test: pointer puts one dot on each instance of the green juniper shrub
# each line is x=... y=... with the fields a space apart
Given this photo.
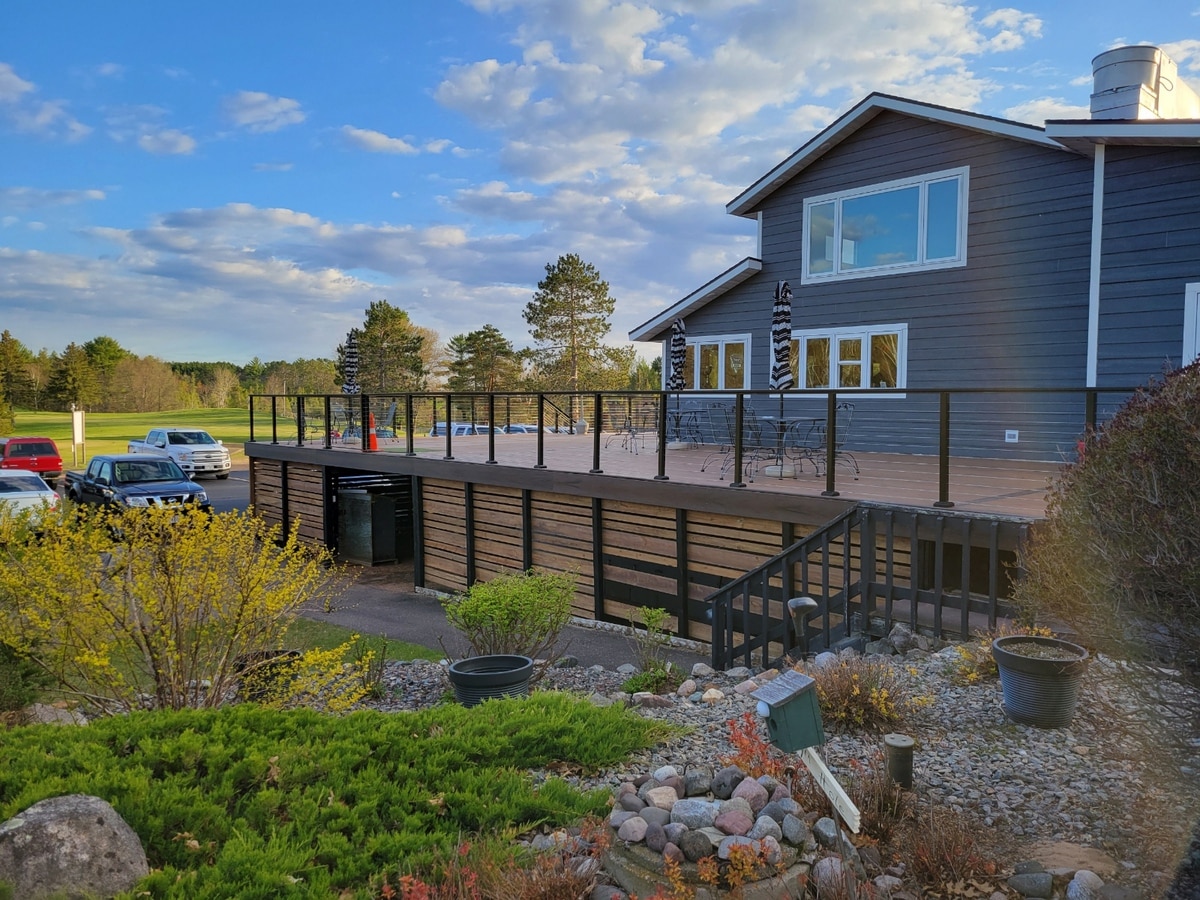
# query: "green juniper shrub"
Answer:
x=245 y=801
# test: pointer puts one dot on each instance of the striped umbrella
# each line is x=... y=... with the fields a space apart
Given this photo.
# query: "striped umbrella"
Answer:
x=678 y=355
x=781 y=339
x=350 y=365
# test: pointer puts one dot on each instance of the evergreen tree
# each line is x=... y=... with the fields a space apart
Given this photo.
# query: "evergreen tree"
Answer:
x=568 y=319
x=15 y=384
x=391 y=351
x=73 y=380
x=483 y=360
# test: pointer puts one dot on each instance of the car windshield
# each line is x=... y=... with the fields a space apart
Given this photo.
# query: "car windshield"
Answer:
x=150 y=470
x=190 y=437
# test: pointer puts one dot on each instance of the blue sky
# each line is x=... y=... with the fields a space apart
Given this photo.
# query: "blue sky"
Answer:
x=220 y=180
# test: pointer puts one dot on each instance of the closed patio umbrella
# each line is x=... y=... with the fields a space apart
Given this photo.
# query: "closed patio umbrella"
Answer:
x=350 y=372
x=781 y=339
x=678 y=355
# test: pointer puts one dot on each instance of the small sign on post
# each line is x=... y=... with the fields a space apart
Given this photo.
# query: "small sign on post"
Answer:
x=789 y=704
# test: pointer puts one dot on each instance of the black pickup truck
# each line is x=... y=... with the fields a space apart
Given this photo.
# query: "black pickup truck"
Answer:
x=129 y=480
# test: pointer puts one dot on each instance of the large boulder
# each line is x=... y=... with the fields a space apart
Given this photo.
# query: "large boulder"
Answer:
x=74 y=846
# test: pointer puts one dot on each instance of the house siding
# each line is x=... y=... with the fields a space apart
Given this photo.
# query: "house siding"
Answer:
x=1151 y=251
x=1015 y=315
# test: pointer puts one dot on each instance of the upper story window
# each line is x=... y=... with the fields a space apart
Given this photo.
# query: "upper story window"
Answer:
x=912 y=223
x=717 y=363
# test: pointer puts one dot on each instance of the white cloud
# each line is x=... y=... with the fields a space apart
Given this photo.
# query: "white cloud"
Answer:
x=45 y=118
x=169 y=142
x=376 y=141
x=26 y=198
x=273 y=167
x=259 y=112
x=12 y=86
x=1038 y=111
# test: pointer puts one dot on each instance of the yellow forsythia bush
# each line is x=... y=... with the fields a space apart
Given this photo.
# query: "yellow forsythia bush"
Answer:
x=158 y=607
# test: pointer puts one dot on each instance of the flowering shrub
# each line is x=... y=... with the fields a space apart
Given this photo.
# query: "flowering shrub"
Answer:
x=973 y=660
x=860 y=693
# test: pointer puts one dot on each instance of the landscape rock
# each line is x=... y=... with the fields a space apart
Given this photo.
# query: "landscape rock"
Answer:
x=75 y=845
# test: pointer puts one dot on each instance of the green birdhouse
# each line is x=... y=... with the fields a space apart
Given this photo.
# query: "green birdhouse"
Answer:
x=789 y=704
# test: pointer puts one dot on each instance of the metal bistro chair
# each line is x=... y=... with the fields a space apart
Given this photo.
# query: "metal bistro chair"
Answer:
x=625 y=422
x=813 y=445
x=758 y=445
x=717 y=430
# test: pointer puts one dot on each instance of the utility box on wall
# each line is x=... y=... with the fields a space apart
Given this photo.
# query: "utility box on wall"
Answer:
x=366 y=528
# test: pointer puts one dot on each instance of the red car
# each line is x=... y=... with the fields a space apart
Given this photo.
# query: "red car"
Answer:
x=34 y=454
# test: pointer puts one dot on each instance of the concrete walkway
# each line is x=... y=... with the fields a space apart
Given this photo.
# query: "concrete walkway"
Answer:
x=381 y=600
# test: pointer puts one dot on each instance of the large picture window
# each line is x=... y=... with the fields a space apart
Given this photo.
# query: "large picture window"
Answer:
x=915 y=223
x=851 y=358
x=717 y=363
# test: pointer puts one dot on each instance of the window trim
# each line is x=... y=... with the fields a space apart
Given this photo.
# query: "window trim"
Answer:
x=1191 y=323
x=694 y=343
x=838 y=198
x=865 y=332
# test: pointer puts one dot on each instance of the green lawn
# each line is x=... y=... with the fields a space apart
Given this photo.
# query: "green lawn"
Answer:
x=111 y=432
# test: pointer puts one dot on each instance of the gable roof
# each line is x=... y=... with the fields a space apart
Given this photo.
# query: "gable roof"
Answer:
x=734 y=275
x=863 y=112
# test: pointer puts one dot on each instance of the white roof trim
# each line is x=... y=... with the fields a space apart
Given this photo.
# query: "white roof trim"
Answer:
x=859 y=116
x=730 y=278
x=1082 y=133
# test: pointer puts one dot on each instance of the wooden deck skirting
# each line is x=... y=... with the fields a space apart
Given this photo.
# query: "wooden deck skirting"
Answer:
x=634 y=540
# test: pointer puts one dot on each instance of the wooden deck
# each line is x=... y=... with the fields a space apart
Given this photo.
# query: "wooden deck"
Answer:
x=987 y=486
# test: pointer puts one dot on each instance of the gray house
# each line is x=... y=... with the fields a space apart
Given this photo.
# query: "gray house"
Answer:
x=934 y=248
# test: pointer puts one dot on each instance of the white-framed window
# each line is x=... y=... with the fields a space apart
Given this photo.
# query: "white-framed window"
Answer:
x=717 y=363
x=896 y=226
x=1191 y=323
x=858 y=358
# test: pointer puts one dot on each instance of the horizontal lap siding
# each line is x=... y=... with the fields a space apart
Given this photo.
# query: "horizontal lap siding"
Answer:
x=1151 y=251
x=1016 y=314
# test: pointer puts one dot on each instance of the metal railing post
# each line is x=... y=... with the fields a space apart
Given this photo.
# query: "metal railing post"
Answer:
x=662 y=438
x=830 y=446
x=943 y=499
x=328 y=421
x=449 y=419
x=541 y=427
x=491 y=460
x=738 y=419
x=299 y=420
x=409 y=425
x=595 y=469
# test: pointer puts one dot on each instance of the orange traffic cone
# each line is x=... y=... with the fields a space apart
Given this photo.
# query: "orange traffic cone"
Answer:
x=372 y=440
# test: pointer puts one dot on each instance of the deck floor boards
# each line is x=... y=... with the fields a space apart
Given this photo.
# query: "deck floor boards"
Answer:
x=991 y=486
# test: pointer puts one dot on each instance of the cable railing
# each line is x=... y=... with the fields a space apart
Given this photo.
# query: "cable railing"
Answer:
x=754 y=433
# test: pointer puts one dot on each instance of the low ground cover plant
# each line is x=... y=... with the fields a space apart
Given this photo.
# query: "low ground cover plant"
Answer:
x=651 y=639
x=251 y=802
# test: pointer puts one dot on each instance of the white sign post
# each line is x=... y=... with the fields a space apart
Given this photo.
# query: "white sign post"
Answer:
x=78 y=439
x=826 y=782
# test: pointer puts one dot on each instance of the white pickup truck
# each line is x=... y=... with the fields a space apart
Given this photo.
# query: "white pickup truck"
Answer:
x=194 y=449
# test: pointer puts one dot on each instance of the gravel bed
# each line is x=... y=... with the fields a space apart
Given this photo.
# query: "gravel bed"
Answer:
x=1104 y=782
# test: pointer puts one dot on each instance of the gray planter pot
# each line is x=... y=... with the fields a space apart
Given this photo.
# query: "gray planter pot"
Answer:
x=480 y=678
x=1040 y=691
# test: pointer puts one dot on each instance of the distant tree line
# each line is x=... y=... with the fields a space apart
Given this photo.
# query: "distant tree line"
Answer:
x=568 y=318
